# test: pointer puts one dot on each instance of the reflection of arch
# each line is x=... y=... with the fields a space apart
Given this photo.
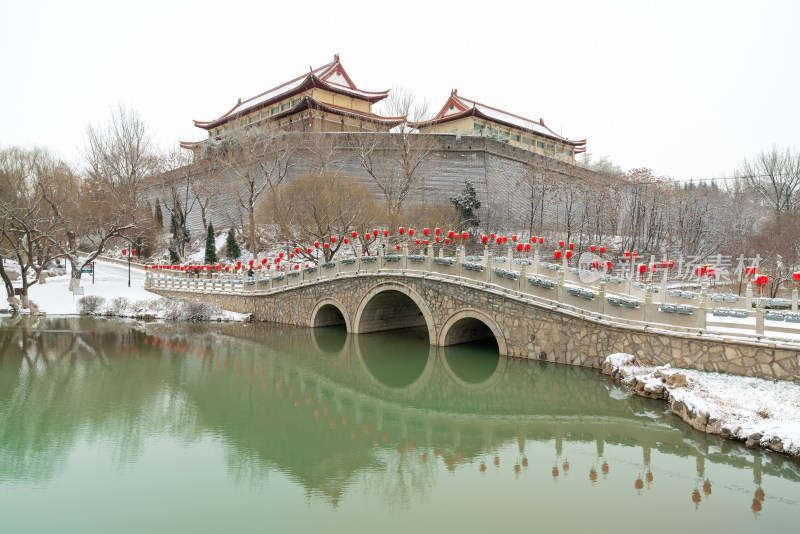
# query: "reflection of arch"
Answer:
x=392 y=296
x=471 y=313
x=498 y=373
x=361 y=347
x=324 y=314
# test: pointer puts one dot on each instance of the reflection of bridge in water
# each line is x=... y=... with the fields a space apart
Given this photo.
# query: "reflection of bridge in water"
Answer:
x=352 y=400
x=321 y=405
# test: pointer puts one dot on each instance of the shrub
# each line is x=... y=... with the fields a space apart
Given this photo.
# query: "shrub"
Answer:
x=90 y=304
x=118 y=306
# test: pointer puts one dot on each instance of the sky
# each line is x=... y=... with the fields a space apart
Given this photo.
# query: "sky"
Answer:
x=687 y=89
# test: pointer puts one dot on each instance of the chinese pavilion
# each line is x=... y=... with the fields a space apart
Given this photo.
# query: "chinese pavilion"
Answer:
x=323 y=100
x=465 y=116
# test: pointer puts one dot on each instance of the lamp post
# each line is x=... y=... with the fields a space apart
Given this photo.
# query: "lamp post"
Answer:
x=125 y=253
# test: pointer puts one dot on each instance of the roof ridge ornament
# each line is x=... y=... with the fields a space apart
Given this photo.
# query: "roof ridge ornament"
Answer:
x=336 y=57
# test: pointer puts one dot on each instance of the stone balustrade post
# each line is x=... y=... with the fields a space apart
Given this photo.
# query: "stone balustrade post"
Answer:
x=760 y=321
x=794 y=300
x=748 y=296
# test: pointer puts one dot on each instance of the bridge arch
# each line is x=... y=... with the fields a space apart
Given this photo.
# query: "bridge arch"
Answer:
x=470 y=325
x=329 y=312
x=391 y=305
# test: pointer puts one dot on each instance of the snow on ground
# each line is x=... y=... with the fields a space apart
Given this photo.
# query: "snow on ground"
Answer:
x=755 y=410
x=110 y=282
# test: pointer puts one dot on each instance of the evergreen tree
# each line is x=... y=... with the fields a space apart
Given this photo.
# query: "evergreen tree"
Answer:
x=231 y=246
x=467 y=204
x=173 y=256
x=211 y=246
x=159 y=215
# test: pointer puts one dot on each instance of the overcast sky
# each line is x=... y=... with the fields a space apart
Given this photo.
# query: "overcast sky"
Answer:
x=685 y=88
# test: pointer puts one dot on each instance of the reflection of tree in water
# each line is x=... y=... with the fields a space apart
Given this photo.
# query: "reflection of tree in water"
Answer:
x=276 y=403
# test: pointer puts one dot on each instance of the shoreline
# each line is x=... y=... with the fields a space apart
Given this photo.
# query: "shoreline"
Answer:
x=760 y=413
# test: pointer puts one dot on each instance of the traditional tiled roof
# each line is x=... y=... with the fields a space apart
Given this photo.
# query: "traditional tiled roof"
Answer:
x=458 y=107
x=331 y=77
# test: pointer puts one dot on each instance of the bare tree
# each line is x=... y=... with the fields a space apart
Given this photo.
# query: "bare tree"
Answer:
x=260 y=159
x=775 y=178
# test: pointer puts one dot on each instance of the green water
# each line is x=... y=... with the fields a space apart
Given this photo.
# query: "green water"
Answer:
x=112 y=426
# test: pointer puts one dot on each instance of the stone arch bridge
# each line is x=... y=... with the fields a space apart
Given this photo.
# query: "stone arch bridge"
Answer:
x=457 y=310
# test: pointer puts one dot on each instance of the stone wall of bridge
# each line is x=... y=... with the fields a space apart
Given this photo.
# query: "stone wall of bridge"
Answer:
x=522 y=328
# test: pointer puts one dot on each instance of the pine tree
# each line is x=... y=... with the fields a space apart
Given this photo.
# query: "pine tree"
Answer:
x=467 y=204
x=231 y=246
x=211 y=246
x=173 y=256
x=159 y=215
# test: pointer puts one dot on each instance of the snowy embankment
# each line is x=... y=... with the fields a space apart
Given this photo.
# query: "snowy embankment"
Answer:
x=111 y=285
x=759 y=412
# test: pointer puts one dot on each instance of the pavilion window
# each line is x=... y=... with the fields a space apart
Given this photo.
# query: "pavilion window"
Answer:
x=559 y=150
x=478 y=127
x=515 y=138
x=539 y=144
x=295 y=101
x=527 y=140
x=569 y=152
x=242 y=122
x=286 y=106
x=275 y=110
x=251 y=119
x=549 y=147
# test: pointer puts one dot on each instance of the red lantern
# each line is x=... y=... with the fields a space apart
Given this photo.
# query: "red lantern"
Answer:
x=560 y=243
x=291 y=255
x=268 y=266
x=417 y=241
x=425 y=231
x=398 y=247
x=401 y=230
x=527 y=247
x=316 y=244
x=592 y=248
x=484 y=239
x=296 y=267
x=541 y=240
x=280 y=255
x=663 y=263
x=491 y=236
x=327 y=246
x=642 y=268
x=762 y=280
x=608 y=265
x=437 y=238
x=499 y=240
x=265 y=260
x=626 y=254
x=346 y=241
x=218 y=267
x=796 y=277
x=355 y=235
x=558 y=254
x=446 y=240
x=124 y=252
x=464 y=235
x=227 y=268
x=653 y=267
x=411 y=232
x=277 y=260
x=297 y=250
x=572 y=246
x=519 y=247
x=145 y=267
x=133 y=252
x=427 y=242
x=533 y=239
x=251 y=263
x=259 y=267
x=505 y=239
x=596 y=264
x=514 y=238
x=634 y=254
x=602 y=249
x=333 y=239
x=569 y=254
x=367 y=236
x=438 y=231
x=375 y=232
x=385 y=233
x=710 y=272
